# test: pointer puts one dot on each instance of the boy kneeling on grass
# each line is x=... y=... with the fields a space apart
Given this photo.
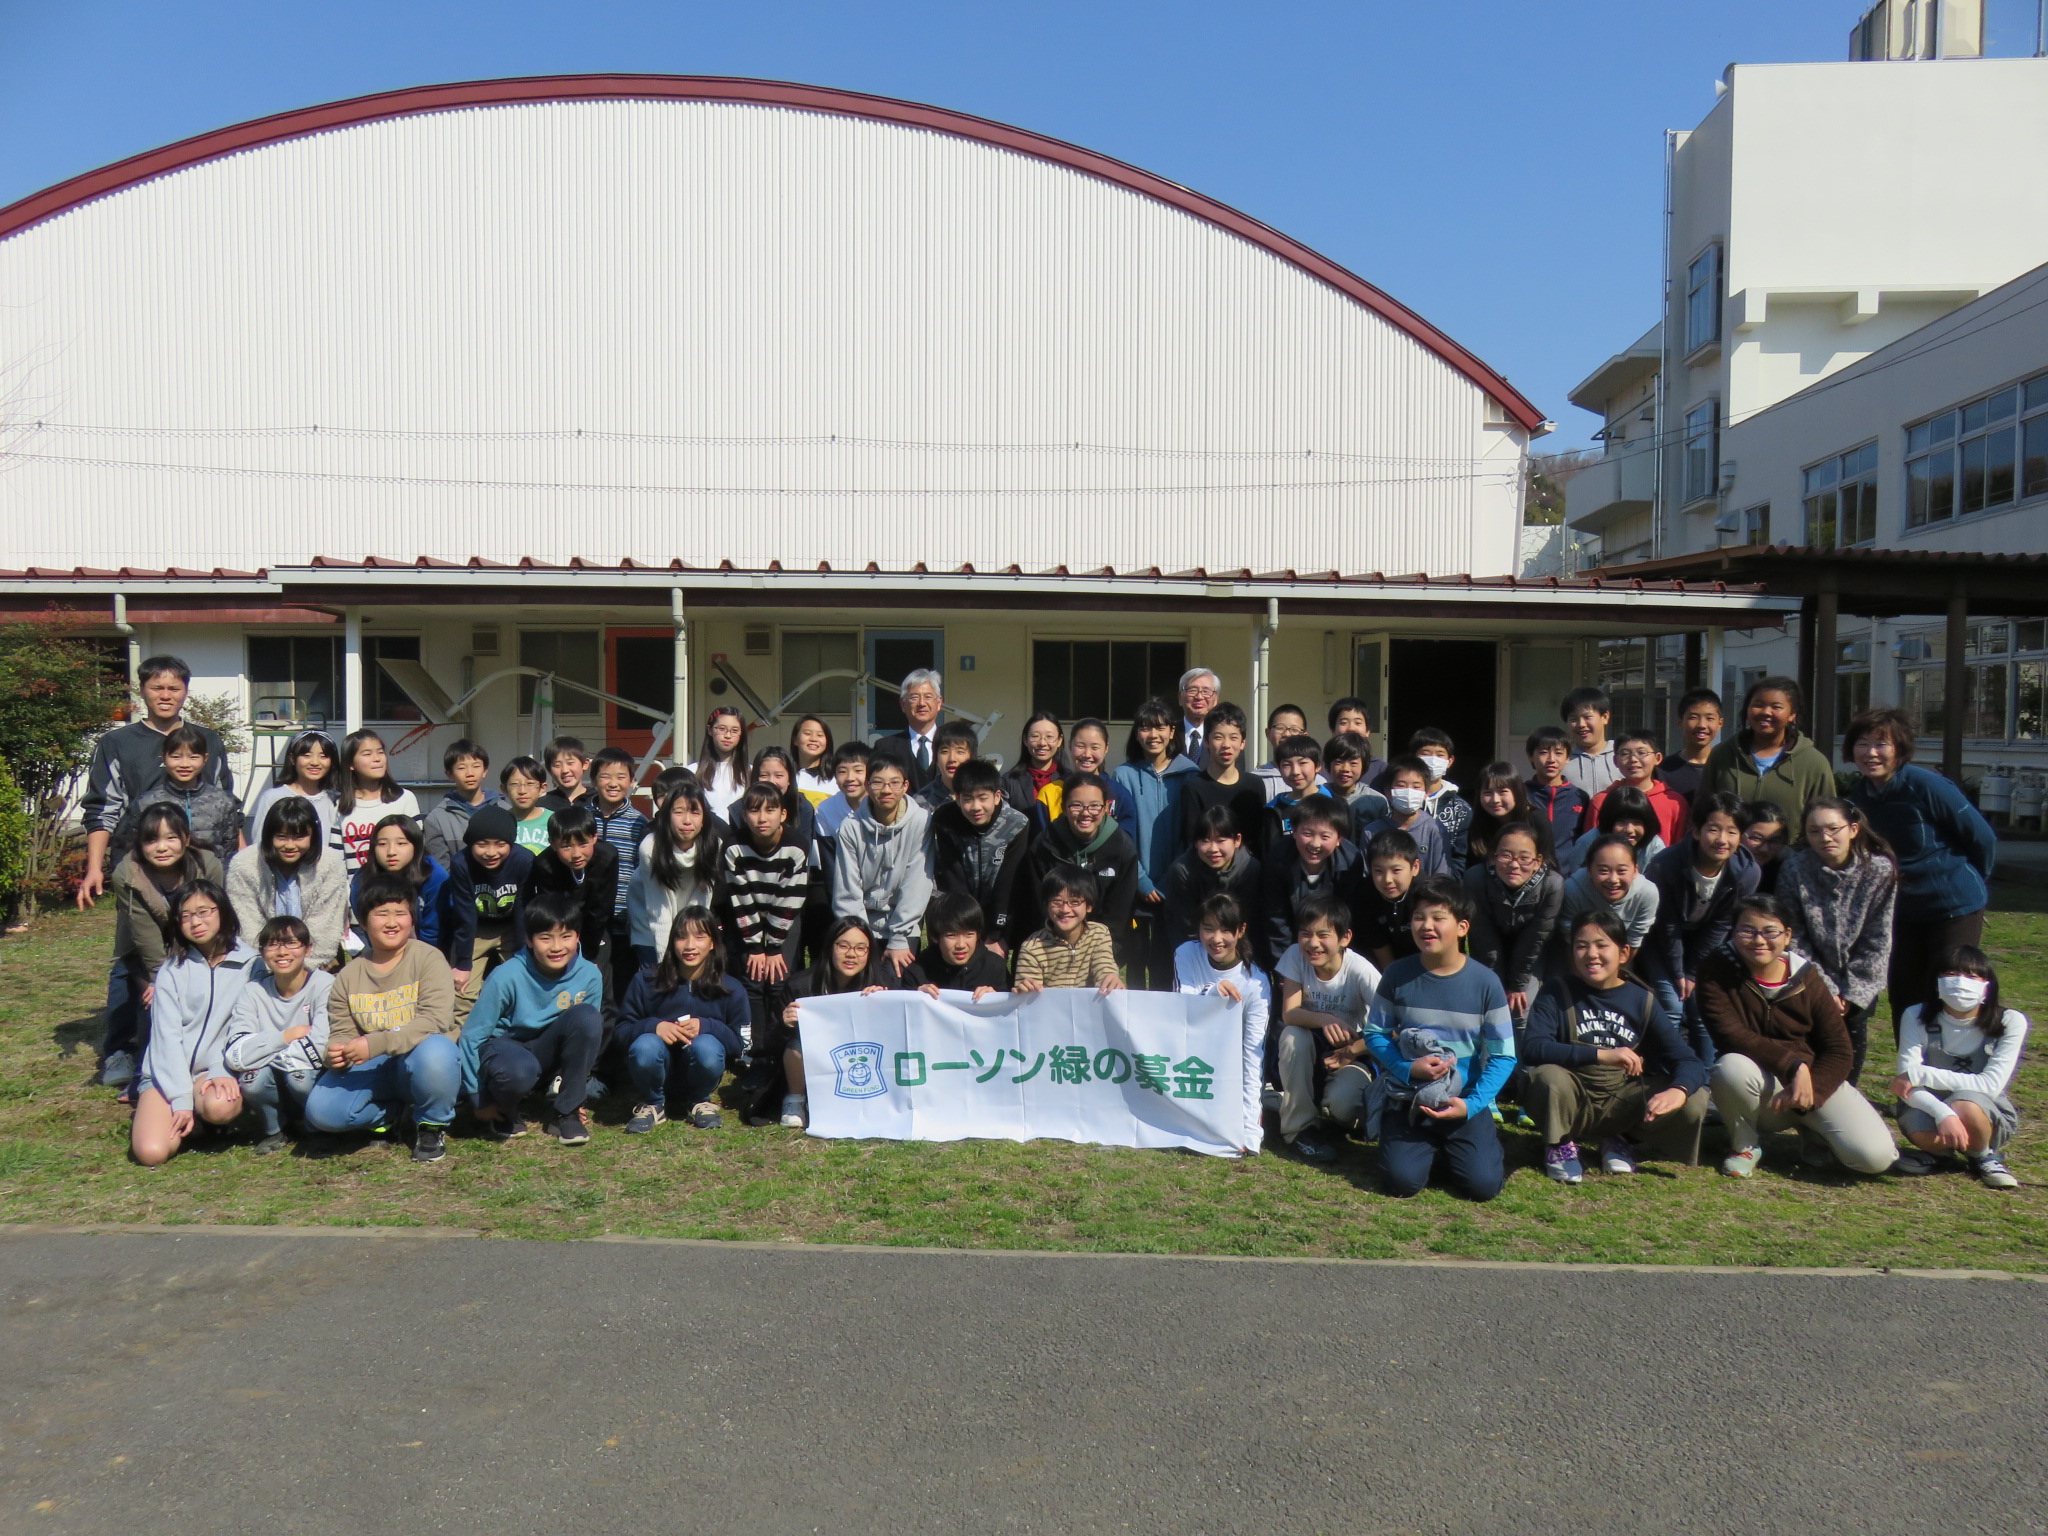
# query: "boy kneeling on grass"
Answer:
x=390 y=1031
x=1069 y=951
x=1440 y=992
x=539 y=1015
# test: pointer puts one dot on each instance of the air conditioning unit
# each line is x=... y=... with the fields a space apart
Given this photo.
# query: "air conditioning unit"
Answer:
x=483 y=640
x=760 y=641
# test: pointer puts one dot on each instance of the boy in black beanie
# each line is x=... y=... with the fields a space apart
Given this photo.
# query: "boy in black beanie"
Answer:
x=494 y=868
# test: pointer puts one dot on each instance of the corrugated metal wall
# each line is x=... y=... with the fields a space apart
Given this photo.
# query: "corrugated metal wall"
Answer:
x=804 y=337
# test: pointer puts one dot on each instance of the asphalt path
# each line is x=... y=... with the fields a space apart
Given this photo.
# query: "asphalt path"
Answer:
x=257 y=1382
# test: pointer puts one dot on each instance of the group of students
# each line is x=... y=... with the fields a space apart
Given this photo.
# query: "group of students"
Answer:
x=1612 y=949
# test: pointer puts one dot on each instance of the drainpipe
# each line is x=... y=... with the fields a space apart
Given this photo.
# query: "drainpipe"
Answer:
x=352 y=669
x=1262 y=661
x=1660 y=429
x=127 y=632
x=680 y=700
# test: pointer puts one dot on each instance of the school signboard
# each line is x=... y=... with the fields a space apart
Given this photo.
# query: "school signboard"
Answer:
x=1134 y=1069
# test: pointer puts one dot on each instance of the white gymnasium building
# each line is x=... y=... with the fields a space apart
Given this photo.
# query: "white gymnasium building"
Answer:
x=690 y=389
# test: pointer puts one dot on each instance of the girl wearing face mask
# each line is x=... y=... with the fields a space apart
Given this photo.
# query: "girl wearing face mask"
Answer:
x=1434 y=750
x=1841 y=886
x=1958 y=1050
x=1785 y=1055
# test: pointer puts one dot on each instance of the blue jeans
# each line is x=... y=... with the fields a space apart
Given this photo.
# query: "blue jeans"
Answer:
x=652 y=1064
x=267 y=1090
x=127 y=1027
x=355 y=1098
x=1471 y=1148
x=1682 y=1012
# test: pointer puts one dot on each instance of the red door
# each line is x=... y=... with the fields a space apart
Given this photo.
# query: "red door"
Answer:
x=639 y=664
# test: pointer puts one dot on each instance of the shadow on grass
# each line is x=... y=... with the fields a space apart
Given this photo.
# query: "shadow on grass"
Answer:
x=76 y=1035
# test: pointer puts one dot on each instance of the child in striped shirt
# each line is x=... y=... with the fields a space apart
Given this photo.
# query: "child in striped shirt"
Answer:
x=1069 y=951
x=621 y=827
x=1458 y=1001
x=766 y=877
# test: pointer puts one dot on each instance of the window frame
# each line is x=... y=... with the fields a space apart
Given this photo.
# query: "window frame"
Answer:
x=1697 y=436
x=1951 y=437
x=1170 y=694
x=527 y=684
x=1853 y=467
x=1704 y=290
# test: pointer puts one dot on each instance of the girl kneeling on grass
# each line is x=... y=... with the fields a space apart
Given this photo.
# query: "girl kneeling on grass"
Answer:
x=1219 y=960
x=184 y=1079
x=1606 y=1064
x=1785 y=1053
x=681 y=1021
x=847 y=963
x=1958 y=1051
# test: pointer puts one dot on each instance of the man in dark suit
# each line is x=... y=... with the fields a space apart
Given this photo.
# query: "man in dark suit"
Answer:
x=1200 y=689
x=923 y=702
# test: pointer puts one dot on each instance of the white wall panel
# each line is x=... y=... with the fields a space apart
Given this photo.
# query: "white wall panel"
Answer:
x=712 y=293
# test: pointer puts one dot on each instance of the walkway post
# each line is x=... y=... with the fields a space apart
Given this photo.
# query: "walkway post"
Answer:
x=679 y=699
x=1955 y=682
x=352 y=669
x=1821 y=705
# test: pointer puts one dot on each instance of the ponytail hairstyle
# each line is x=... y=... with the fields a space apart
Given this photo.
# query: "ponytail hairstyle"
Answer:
x=182 y=948
x=414 y=871
x=291 y=816
x=1965 y=960
x=707 y=752
x=668 y=970
x=346 y=793
x=663 y=860
x=1222 y=910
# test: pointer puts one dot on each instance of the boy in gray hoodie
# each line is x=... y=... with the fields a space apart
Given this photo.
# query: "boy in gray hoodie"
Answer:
x=882 y=875
x=276 y=1039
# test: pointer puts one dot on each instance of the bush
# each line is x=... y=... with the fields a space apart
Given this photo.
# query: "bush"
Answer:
x=58 y=691
x=222 y=714
x=14 y=837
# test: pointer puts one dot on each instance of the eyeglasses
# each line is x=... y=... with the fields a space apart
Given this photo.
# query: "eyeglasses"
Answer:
x=1059 y=904
x=1769 y=935
x=1201 y=693
x=1518 y=860
x=284 y=944
x=200 y=912
x=1084 y=808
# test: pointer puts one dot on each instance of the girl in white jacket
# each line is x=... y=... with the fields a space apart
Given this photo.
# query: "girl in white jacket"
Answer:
x=678 y=869
x=184 y=1079
x=1220 y=962
x=1958 y=1050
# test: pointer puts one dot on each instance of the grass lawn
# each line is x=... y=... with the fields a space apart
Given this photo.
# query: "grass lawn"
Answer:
x=63 y=1158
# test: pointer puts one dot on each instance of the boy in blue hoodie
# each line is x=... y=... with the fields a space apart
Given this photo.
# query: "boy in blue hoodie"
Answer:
x=539 y=1015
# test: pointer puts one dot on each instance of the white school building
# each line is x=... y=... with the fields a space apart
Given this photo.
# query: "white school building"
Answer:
x=687 y=390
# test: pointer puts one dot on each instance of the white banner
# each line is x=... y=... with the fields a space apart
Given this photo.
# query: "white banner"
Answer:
x=1134 y=1069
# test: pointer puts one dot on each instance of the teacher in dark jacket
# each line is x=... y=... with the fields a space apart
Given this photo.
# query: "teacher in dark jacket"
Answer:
x=922 y=698
x=1943 y=844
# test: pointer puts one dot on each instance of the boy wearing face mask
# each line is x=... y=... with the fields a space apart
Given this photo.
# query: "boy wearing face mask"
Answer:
x=1453 y=812
x=1408 y=791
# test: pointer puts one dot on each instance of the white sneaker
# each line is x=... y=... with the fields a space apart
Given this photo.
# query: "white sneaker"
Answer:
x=118 y=1070
x=795 y=1111
x=1741 y=1163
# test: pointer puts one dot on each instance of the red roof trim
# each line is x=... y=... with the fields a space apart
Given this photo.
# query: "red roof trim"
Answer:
x=83 y=189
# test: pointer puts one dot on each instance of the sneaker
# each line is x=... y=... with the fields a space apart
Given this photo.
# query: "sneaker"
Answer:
x=1913 y=1163
x=1618 y=1156
x=796 y=1111
x=645 y=1118
x=1310 y=1147
x=570 y=1130
x=429 y=1143
x=1741 y=1163
x=1499 y=1115
x=274 y=1142
x=505 y=1130
x=1990 y=1168
x=1520 y=1119
x=118 y=1070
x=1561 y=1162
x=705 y=1116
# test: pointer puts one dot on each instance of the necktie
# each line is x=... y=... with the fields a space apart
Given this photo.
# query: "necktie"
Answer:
x=1195 y=742
x=924 y=753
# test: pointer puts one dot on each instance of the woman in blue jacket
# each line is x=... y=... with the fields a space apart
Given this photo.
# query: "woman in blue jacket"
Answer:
x=1943 y=845
x=1153 y=775
x=682 y=1019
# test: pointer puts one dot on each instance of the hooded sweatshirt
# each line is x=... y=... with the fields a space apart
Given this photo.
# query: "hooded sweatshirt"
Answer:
x=1191 y=882
x=1637 y=908
x=1110 y=856
x=987 y=865
x=444 y=826
x=188 y=1022
x=1799 y=1023
x=1510 y=928
x=1155 y=795
x=1565 y=808
x=323 y=895
x=883 y=874
x=255 y=1034
x=1691 y=926
x=1843 y=919
x=1801 y=775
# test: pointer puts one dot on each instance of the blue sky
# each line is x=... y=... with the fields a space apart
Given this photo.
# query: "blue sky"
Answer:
x=1495 y=165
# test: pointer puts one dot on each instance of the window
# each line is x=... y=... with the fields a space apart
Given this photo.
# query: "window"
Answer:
x=1841 y=500
x=1756 y=525
x=295 y=679
x=806 y=653
x=1852 y=679
x=1105 y=678
x=383 y=699
x=1980 y=456
x=1997 y=688
x=1702 y=451
x=1703 y=300
x=574 y=656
